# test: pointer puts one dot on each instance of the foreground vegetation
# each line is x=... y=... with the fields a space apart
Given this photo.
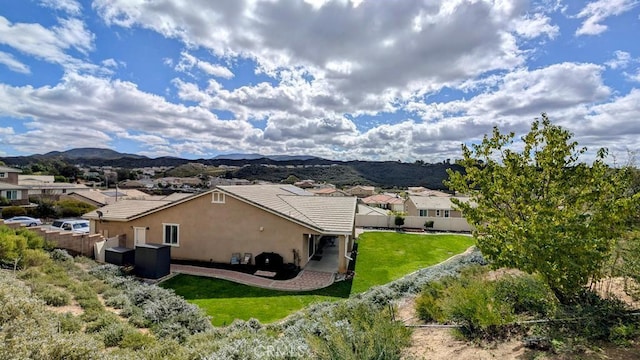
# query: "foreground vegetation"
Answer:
x=501 y=306
x=56 y=307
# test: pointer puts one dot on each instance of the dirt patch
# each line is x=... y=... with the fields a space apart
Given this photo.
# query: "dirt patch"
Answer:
x=440 y=343
x=73 y=308
x=614 y=287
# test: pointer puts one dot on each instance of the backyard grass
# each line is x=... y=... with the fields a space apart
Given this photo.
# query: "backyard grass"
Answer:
x=387 y=256
x=382 y=257
x=225 y=301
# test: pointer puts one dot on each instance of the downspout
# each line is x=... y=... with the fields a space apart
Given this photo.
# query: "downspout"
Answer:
x=346 y=246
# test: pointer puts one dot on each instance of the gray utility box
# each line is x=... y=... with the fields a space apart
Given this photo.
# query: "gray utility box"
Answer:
x=120 y=256
x=153 y=261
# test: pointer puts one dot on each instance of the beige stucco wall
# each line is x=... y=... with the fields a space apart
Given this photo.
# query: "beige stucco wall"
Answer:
x=212 y=231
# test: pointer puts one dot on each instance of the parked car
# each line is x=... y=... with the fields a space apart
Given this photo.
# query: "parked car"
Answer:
x=25 y=220
x=74 y=225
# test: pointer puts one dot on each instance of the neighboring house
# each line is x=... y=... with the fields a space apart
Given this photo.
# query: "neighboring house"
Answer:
x=305 y=184
x=433 y=206
x=422 y=191
x=369 y=210
x=44 y=186
x=214 y=225
x=9 y=188
x=385 y=201
x=101 y=198
x=361 y=191
x=329 y=191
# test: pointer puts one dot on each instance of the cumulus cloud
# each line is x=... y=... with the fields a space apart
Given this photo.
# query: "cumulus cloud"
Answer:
x=358 y=50
x=49 y=44
x=596 y=12
x=98 y=109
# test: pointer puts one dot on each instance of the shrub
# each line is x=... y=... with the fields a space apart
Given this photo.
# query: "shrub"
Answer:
x=428 y=224
x=11 y=211
x=527 y=295
x=136 y=340
x=52 y=295
x=399 y=220
x=33 y=257
x=69 y=323
x=73 y=208
x=119 y=301
x=475 y=307
x=60 y=255
x=360 y=331
x=113 y=333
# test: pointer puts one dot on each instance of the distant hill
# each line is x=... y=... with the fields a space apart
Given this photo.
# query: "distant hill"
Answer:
x=258 y=156
x=90 y=153
x=275 y=168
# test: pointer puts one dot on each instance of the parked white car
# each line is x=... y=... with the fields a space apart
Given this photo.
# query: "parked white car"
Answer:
x=73 y=225
x=25 y=220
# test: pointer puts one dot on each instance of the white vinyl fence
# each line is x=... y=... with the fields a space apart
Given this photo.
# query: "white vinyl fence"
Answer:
x=101 y=246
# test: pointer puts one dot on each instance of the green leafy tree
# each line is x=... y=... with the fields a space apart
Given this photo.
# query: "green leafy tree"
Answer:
x=540 y=209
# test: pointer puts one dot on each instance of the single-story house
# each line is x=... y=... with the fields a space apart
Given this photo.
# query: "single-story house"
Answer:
x=361 y=191
x=329 y=191
x=433 y=206
x=101 y=198
x=254 y=219
x=385 y=201
x=439 y=210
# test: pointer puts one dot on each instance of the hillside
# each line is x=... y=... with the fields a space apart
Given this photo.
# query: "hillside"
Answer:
x=388 y=174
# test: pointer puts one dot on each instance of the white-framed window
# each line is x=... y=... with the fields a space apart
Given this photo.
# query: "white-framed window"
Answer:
x=171 y=234
x=217 y=197
x=423 y=213
x=2 y=175
x=446 y=213
x=438 y=213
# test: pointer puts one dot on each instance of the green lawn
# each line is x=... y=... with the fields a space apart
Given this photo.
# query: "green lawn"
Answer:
x=382 y=257
x=386 y=256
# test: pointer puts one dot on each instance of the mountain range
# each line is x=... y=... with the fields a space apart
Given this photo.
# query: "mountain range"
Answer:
x=275 y=168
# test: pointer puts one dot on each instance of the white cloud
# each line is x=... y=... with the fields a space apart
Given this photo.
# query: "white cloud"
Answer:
x=531 y=27
x=49 y=44
x=635 y=77
x=621 y=60
x=596 y=12
x=69 y=6
x=95 y=111
x=188 y=62
x=14 y=65
x=358 y=52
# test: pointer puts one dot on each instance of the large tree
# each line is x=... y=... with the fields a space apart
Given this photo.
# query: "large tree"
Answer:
x=539 y=208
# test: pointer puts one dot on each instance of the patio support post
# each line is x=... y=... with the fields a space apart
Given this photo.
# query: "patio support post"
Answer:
x=342 y=260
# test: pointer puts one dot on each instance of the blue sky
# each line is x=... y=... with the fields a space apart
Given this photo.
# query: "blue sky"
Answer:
x=370 y=80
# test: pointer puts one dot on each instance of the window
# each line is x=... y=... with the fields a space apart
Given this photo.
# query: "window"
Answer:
x=446 y=213
x=437 y=213
x=423 y=213
x=170 y=235
x=217 y=197
x=12 y=195
x=3 y=174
